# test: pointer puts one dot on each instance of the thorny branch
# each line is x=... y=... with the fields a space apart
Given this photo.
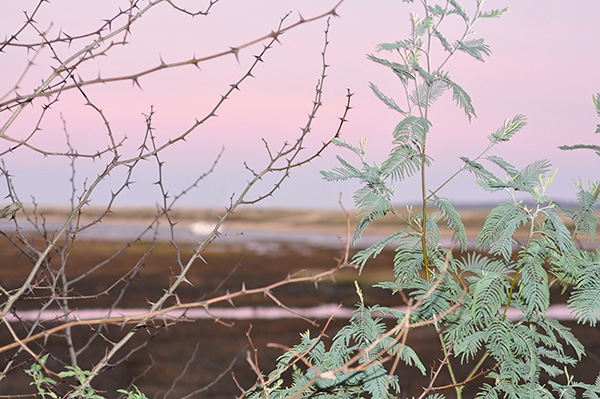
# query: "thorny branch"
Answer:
x=50 y=279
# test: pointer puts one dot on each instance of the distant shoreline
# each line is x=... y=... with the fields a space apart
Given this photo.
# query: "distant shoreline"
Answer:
x=313 y=227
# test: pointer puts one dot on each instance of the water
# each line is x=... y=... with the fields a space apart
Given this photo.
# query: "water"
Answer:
x=558 y=312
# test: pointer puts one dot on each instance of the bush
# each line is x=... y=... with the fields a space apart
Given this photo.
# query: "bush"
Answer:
x=524 y=248
x=38 y=306
x=468 y=297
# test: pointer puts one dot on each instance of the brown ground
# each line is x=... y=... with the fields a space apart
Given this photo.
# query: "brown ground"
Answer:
x=168 y=349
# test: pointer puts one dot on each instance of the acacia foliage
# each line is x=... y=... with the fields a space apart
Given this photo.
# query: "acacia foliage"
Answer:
x=466 y=297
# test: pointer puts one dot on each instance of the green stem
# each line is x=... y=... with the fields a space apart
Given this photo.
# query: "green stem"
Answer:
x=424 y=218
x=477 y=366
x=457 y=388
x=512 y=284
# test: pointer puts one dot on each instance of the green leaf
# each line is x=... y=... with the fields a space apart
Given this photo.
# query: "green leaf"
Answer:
x=460 y=96
x=453 y=221
x=490 y=293
x=561 y=236
x=437 y=10
x=429 y=77
x=475 y=47
x=426 y=93
x=408 y=260
x=402 y=71
x=445 y=43
x=403 y=162
x=507 y=167
x=459 y=10
x=345 y=172
x=372 y=207
x=410 y=358
x=376 y=382
x=342 y=143
x=597 y=105
x=564 y=333
x=581 y=147
x=477 y=262
x=361 y=257
x=485 y=178
x=533 y=285
x=499 y=338
x=412 y=130
x=508 y=130
x=385 y=99
x=499 y=227
x=493 y=13
x=421 y=26
x=403 y=44
x=467 y=347
x=585 y=299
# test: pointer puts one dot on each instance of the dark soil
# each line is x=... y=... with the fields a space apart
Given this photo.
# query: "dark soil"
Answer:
x=194 y=354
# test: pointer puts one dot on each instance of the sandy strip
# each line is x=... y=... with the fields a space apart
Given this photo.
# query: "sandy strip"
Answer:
x=558 y=312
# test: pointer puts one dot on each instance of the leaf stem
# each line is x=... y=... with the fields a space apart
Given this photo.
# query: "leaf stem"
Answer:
x=457 y=387
x=474 y=370
x=424 y=218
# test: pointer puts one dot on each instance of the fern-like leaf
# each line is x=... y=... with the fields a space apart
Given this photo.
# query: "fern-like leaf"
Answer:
x=499 y=227
x=445 y=43
x=402 y=71
x=361 y=257
x=475 y=48
x=453 y=221
x=485 y=178
x=376 y=381
x=385 y=99
x=489 y=295
x=408 y=260
x=533 y=286
x=426 y=93
x=509 y=129
x=561 y=235
x=393 y=46
x=459 y=10
x=476 y=262
x=412 y=130
x=460 y=96
x=585 y=299
x=493 y=13
x=403 y=162
x=468 y=346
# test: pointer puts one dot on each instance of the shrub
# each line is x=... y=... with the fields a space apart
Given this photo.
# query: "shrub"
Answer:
x=526 y=247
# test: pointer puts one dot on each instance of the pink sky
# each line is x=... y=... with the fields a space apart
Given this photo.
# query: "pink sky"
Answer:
x=545 y=64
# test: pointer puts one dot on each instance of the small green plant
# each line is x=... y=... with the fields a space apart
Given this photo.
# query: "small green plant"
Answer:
x=41 y=381
x=466 y=297
x=45 y=384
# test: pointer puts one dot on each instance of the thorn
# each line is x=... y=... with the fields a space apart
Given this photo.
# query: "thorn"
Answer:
x=275 y=36
x=185 y=280
x=235 y=51
x=135 y=82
